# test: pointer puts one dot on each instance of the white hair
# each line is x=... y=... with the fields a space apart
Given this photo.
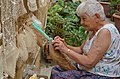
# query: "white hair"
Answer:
x=91 y=7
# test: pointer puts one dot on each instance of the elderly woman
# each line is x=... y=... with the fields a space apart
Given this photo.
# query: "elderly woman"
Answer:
x=99 y=56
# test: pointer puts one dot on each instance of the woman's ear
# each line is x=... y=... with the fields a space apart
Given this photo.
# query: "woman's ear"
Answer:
x=97 y=17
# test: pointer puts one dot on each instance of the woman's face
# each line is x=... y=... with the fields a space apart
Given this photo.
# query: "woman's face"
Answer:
x=88 y=22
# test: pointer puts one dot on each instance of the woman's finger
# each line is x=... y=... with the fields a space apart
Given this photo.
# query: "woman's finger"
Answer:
x=57 y=37
x=55 y=41
x=56 y=48
x=62 y=40
x=56 y=45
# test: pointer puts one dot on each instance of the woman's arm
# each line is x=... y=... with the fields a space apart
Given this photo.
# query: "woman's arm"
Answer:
x=96 y=52
x=76 y=49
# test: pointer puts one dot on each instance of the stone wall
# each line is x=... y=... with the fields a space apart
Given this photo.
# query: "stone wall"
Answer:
x=11 y=24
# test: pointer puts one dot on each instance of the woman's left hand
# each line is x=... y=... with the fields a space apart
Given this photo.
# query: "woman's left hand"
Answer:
x=59 y=45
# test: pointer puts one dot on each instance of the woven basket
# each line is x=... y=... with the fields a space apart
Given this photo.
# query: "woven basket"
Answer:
x=61 y=59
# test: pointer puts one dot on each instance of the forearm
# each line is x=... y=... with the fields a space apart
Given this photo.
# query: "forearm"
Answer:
x=76 y=49
x=81 y=59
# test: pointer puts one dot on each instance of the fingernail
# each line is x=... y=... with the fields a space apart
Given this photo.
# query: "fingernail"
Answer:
x=52 y=40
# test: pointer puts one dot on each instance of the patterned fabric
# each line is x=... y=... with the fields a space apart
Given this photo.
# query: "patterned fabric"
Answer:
x=110 y=64
x=58 y=73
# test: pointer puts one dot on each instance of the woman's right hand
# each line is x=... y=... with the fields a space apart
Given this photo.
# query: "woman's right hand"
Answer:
x=59 y=38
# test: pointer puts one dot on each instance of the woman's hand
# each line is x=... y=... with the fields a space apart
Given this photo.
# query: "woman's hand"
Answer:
x=58 y=44
x=58 y=38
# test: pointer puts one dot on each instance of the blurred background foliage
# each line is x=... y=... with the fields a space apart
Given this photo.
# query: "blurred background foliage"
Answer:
x=62 y=21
